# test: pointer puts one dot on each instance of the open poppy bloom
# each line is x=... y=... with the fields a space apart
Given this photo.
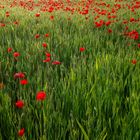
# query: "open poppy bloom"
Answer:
x=41 y=95
x=24 y=82
x=21 y=132
x=19 y=104
x=16 y=54
x=82 y=49
x=46 y=35
x=7 y=14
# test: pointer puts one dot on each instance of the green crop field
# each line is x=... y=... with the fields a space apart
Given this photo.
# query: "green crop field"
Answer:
x=69 y=70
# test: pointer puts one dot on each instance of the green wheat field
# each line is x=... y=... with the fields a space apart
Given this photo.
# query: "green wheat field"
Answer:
x=69 y=70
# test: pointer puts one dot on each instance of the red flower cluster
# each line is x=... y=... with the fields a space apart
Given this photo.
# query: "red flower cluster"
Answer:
x=133 y=35
x=48 y=57
x=99 y=24
x=19 y=75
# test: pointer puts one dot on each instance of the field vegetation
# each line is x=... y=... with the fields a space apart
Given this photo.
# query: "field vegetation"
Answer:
x=70 y=70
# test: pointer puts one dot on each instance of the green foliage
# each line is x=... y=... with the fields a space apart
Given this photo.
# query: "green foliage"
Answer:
x=92 y=95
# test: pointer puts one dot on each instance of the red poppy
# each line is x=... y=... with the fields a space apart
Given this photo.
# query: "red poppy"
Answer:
x=99 y=24
x=51 y=17
x=37 y=14
x=48 y=59
x=19 y=75
x=138 y=45
x=125 y=22
x=9 y=49
x=47 y=35
x=48 y=54
x=109 y=30
x=82 y=49
x=19 y=104
x=16 y=54
x=24 y=82
x=16 y=22
x=50 y=9
x=44 y=45
x=133 y=35
x=56 y=63
x=37 y=36
x=108 y=23
x=126 y=27
x=132 y=19
x=7 y=14
x=21 y=132
x=134 y=61
x=41 y=95
x=2 y=25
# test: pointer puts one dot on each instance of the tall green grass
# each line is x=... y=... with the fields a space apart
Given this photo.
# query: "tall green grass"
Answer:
x=92 y=95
